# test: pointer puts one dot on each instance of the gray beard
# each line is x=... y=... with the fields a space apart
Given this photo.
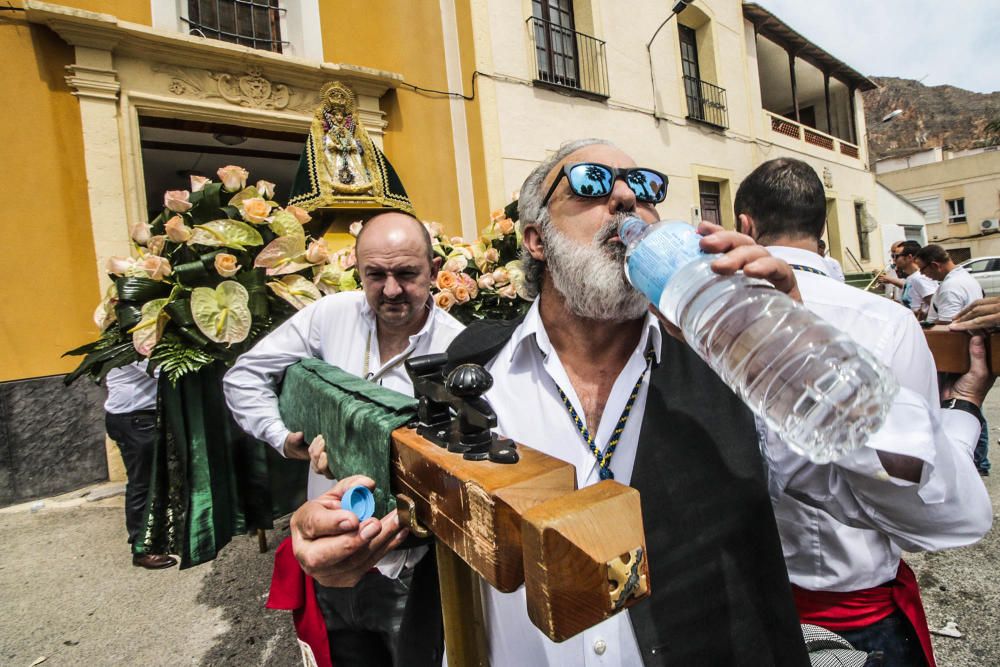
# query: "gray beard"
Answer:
x=591 y=278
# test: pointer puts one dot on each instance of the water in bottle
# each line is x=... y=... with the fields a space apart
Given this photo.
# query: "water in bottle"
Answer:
x=821 y=392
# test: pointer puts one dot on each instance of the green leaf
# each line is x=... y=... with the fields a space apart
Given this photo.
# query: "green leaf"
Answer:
x=227 y=233
x=296 y=290
x=176 y=360
x=222 y=314
x=285 y=254
x=284 y=223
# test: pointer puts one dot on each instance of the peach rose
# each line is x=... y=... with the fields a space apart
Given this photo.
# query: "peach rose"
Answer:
x=444 y=300
x=486 y=281
x=501 y=277
x=433 y=228
x=469 y=283
x=225 y=265
x=446 y=280
x=158 y=268
x=355 y=228
x=486 y=261
x=345 y=258
x=507 y=292
x=141 y=232
x=496 y=214
x=300 y=214
x=318 y=252
x=265 y=188
x=233 y=178
x=255 y=209
x=505 y=225
x=456 y=264
x=461 y=294
x=176 y=230
x=120 y=265
x=177 y=200
x=198 y=183
x=156 y=243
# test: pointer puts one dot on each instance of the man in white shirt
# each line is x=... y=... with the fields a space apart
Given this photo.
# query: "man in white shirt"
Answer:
x=130 y=419
x=958 y=288
x=917 y=289
x=370 y=334
x=836 y=272
x=913 y=486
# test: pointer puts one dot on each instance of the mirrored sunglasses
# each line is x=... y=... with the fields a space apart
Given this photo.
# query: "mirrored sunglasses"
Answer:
x=594 y=180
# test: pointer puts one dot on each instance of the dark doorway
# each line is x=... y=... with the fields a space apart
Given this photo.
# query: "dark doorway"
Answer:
x=710 y=202
x=555 y=42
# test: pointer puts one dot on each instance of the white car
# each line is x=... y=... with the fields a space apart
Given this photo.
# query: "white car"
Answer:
x=987 y=271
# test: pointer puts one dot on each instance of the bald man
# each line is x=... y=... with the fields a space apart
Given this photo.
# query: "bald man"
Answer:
x=369 y=334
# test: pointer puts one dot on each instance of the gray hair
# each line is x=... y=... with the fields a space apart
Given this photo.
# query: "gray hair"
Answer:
x=530 y=210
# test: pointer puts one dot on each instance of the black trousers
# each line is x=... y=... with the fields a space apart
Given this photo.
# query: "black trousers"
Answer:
x=135 y=433
x=363 y=623
x=893 y=637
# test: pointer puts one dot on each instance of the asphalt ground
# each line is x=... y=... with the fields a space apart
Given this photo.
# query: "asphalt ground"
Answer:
x=72 y=597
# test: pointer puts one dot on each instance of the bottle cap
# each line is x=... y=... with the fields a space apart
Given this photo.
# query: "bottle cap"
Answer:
x=359 y=499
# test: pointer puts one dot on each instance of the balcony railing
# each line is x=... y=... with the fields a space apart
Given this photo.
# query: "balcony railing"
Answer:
x=253 y=23
x=568 y=59
x=790 y=128
x=706 y=102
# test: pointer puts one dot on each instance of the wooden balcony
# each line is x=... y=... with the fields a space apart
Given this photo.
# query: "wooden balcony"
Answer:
x=790 y=128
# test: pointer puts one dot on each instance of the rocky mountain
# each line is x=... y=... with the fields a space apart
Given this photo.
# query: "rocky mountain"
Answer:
x=933 y=116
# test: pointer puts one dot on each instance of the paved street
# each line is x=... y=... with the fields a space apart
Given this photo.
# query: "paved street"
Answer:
x=72 y=597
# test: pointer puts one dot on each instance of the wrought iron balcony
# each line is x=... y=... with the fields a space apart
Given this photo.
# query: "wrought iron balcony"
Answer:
x=706 y=102
x=565 y=58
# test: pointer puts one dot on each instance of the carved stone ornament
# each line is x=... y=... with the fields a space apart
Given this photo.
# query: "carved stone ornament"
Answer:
x=250 y=89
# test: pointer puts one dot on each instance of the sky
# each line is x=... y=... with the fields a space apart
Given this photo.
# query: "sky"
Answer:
x=955 y=42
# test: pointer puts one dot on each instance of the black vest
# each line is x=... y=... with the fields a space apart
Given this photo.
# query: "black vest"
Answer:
x=720 y=591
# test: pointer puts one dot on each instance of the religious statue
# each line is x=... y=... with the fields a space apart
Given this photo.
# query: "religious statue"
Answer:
x=343 y=145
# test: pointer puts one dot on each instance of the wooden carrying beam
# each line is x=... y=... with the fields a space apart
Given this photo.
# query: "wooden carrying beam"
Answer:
x=581 y=553
x=950 y=350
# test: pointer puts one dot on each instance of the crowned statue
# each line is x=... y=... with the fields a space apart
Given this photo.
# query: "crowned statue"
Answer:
x=341 y=168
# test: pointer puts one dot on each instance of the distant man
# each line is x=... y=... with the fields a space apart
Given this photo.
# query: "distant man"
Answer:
x=958 y=288
x=130 y=419
x=369 y=334
x=911 y=487
x=836 y=271
x=917 y=289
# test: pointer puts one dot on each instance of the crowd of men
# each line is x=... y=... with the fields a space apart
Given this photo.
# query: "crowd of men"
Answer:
x=746 y=539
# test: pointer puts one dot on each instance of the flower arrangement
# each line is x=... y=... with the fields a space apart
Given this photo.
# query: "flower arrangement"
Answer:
x=223 y=264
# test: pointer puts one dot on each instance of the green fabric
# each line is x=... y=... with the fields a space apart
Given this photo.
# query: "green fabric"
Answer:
x=210 y=481
x=355 y=417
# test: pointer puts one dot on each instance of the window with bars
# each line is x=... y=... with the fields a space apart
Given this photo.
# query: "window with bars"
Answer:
x=253 y=23
x=956 y=210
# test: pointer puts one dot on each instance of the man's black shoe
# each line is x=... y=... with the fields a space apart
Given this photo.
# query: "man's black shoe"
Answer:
x=153 y=561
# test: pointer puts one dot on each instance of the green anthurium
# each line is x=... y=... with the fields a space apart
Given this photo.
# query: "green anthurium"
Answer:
x=285 y=254
x=227 y=233
x=249 y=192
x=296 y=290
x=222 y=314
x=146 y=334
x=284 y=223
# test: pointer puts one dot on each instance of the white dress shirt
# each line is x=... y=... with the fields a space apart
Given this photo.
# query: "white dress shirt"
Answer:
x=834 y=269
x=525 y=397
x=917 y=289
x=957 y=290
x=340 y=330
x=949 y=507
x=130 y=388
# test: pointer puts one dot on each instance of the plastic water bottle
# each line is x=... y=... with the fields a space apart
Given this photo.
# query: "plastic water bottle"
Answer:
x=821 y=392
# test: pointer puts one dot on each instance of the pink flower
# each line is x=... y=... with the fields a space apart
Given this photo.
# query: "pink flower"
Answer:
x=501 y=277
x=225 y=265
x=140 y=232
x=507 y=292
x=433 y=228
x=505 y=225
x=265 y=188
x=444 y=300
x=177 y=200
x=469 y=283
x=486 y=281
x=198 y=183
x=355 y=228
x=254 y=209
x=318 y=252
x=119 y=265
x=176 y=230
x=456 y=264
x=345 y=258
x=156 y=243
x=300 y=214
x=158 y=268
x=233 y=178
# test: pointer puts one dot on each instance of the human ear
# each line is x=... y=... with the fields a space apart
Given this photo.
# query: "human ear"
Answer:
x=533 y=242
x=744 y=225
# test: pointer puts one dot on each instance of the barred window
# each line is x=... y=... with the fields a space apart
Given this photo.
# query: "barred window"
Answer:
x=253 y=23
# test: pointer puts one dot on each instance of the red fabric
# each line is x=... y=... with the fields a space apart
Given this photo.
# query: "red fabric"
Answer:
x=858 y=609
x=292 y=590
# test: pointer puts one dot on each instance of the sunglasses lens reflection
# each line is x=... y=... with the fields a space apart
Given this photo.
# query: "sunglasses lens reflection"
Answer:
x=591 y=180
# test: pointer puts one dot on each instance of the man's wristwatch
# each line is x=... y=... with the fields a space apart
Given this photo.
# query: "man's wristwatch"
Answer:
x=963 y=405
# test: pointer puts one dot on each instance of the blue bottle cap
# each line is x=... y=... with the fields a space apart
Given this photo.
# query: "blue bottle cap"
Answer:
x=359 y=499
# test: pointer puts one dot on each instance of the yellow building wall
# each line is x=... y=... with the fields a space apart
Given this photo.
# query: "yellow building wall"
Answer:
x=47 y=260
x=404 y=37
x=474 y=114
x=134 y=11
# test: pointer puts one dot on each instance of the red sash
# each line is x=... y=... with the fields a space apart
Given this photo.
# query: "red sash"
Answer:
x=858 y=609
x=292 y=590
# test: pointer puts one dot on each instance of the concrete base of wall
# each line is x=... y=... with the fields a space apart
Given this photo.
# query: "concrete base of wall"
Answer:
x=52 y=437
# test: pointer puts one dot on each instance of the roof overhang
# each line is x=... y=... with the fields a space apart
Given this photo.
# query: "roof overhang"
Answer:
x=776 y=30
